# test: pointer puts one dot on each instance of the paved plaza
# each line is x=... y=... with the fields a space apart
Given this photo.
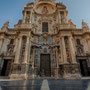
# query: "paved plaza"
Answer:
x=45 y=84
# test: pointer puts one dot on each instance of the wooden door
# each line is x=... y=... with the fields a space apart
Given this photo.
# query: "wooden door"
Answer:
x=45 y=65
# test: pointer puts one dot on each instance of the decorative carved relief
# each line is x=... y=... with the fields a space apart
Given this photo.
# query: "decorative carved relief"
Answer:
x=44 y=10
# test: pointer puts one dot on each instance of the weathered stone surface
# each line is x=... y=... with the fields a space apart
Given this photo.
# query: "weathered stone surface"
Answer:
x=45 y=30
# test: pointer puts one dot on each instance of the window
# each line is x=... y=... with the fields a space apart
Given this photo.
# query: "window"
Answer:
x=45 y=27
x=28 y=12
x=78 y=42
x=11 y=41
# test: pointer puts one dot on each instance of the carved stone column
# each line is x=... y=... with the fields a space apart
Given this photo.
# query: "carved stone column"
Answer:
x=59 y=17
x=63 y=50
x=33 y=63
x=66 y=18
x=88 y=42
x=31 y=17
x=18 y=51
x=72 y=50
x=26 y=52
x=24 y=17
x=16 y=46
x=57 y=63
x=1 y=42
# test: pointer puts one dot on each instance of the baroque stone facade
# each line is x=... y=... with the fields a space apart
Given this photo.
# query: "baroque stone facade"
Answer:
x=45 y=44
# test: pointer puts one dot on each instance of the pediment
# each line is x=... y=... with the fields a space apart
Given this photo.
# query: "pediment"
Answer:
x=45 y=9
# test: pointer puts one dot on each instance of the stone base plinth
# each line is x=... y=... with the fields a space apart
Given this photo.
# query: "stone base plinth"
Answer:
x=71 y=71
x=72 y=76
x=18 y=76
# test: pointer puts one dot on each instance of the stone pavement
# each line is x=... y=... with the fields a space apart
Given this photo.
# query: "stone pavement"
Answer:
x=45 y=84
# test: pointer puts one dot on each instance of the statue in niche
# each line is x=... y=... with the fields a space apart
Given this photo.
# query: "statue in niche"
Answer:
x=62 y=18
x=56 y=28
x=27 y=19
x=45 y=41
x=85 y=26
x=10 y=49
x=80 y=51
x=34 y=27
x=44 y=10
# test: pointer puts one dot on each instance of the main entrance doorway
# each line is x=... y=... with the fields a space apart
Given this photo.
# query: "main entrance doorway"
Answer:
x=45 y=65
x=6 y=67
x=84 y=68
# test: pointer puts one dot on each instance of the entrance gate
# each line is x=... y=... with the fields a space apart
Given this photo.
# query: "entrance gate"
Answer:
x=6 y=67
x=84 y=68
x=45 y=65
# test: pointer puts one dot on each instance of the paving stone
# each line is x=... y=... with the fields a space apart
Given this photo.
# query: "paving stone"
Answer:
x=45 y=84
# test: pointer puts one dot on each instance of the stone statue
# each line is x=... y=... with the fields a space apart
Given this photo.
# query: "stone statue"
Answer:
x=56 y=27
x=85 y=26
x=10 y=50
x=44 y=10
x=27 y=19
x=34 y=28
x=5 y=26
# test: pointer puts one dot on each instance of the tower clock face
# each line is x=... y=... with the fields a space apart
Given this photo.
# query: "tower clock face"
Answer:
x=45 y=9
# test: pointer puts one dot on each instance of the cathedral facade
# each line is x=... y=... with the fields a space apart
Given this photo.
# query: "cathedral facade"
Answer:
x=45 y=43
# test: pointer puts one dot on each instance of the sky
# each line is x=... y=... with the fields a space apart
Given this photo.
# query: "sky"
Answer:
x=11 y=10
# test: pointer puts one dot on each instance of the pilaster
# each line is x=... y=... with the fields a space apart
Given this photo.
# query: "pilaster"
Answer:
x=59 y=17
x=18 y=51
x=72 y=50
x=16 y=46
x=63 y=50
x=24 y=17
x=57 y=63
x=1 y=42
x=26 y=52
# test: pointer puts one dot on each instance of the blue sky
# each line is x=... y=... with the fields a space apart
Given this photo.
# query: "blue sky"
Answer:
x=12 y=10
